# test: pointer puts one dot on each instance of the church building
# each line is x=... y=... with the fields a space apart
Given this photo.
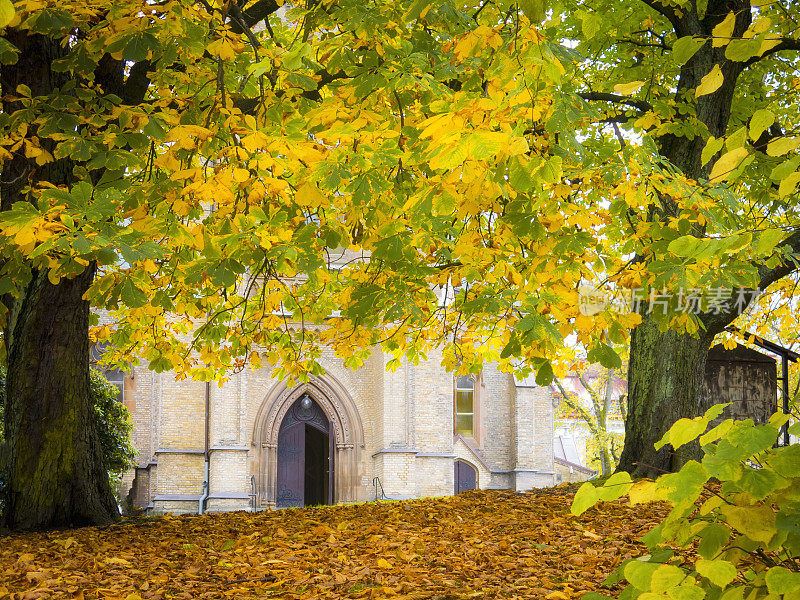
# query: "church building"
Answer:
x=346 y=436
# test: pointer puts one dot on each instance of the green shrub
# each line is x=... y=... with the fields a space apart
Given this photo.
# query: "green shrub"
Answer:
x=114 y=428
x=739 y=508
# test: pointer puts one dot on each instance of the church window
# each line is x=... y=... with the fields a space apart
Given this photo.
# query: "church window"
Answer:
x=115 y=377
x=465 y=406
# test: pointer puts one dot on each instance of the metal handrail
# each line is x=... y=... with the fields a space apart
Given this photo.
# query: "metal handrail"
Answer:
x=376 y=481
x=253 y=493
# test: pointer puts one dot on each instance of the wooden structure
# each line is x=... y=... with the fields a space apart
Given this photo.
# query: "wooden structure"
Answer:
x=743 y=377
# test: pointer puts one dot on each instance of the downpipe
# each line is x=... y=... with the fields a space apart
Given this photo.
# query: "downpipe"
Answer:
x=201 y=508
x=204 y=496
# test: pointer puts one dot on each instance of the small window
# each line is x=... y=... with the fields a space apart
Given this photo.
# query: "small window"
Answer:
x=115 y=377
x=465 y=406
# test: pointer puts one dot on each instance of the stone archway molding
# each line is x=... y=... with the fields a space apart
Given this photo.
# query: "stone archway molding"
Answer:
x=347 y=431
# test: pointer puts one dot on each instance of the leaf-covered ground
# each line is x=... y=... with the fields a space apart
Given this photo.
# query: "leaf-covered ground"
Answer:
x=476 y=545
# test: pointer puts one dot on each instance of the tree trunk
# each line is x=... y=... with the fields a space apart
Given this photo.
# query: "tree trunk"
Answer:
x=605 y=461
x=665 y=373
x=54 y=472
x=666 y=369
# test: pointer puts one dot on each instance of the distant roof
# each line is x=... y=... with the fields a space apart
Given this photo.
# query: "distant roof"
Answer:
x=565 y=449
x=791 y=355
x=580 y=468
x=565 y=452
x=738 y=354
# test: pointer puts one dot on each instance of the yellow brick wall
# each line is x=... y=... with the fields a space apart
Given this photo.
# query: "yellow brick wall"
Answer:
x=410 y=410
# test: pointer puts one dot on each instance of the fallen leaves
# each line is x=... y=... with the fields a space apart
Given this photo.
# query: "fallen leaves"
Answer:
x=476 y=545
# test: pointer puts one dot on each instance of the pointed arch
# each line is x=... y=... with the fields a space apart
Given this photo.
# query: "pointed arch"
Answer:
x=346 y=427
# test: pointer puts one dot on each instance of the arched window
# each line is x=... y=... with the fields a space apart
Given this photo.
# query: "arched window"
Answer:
x=464 y=420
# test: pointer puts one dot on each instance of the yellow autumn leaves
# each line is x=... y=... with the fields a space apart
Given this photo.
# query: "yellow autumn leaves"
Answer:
x=6 y=12
x=478 y=545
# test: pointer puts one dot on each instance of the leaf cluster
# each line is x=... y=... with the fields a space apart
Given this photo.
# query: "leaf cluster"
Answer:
x=737 y=509
x=385 y=174
x=474 y=545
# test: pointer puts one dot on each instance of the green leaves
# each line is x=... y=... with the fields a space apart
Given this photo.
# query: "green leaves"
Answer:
x=756 y=521
x=544 y=375
x=416 y=8
x=605 y=355
x=767 y=240
x=761 y=120
x=533 y=9
x=684 y=48
x=640 y=573
x=782 y=145
x=131 y=295
x=685 y=245
x=686 y=430
x=7 y=12
x=782 y=581
x=588 y=495
x=712 y=539
x=744 y=527
x=139 y=46
x=719 y=572
x=727 y=164
x=666 y=577
x=51 y=21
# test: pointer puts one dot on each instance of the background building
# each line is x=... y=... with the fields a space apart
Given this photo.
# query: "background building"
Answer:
x=345 y=436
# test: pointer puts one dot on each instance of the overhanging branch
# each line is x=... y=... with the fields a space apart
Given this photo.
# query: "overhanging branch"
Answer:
x=258 y=11
x=769 y=276
x=717 y=322
x=785 y=44
x=641 y=105
x=665 y=11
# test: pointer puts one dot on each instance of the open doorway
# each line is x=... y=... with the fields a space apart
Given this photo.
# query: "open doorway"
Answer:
x=305 y=469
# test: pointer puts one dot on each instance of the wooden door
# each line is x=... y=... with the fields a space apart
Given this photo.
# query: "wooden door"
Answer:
x=291 y=465
x=465 y=476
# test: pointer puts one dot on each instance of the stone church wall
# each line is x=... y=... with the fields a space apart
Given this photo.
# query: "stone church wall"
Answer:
x=407 y=422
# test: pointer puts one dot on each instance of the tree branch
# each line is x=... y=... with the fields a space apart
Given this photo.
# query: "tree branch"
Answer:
x=665 y=11
x=577 y=405
x=592 y=394
x=716 y=322
x=249 y=105
x=641 y=105
x=769 y=276
x=785 y=44
x=660 y=45
x=257 y=12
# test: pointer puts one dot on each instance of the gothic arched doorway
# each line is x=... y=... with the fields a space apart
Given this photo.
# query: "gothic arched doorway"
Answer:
x=345 y=436
x=305 y=456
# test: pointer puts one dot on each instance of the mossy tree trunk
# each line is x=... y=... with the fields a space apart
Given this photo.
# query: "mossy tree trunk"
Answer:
x=54 y=472
x=665 y=373
x=666 y=369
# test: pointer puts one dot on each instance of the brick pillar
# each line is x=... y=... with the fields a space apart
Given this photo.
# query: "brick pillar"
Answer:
x=533 y=438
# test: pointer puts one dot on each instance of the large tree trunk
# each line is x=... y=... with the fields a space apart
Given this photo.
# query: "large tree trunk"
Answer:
x=54 y=469
x=665 y=373
x=56 y=473
x=666 y=369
